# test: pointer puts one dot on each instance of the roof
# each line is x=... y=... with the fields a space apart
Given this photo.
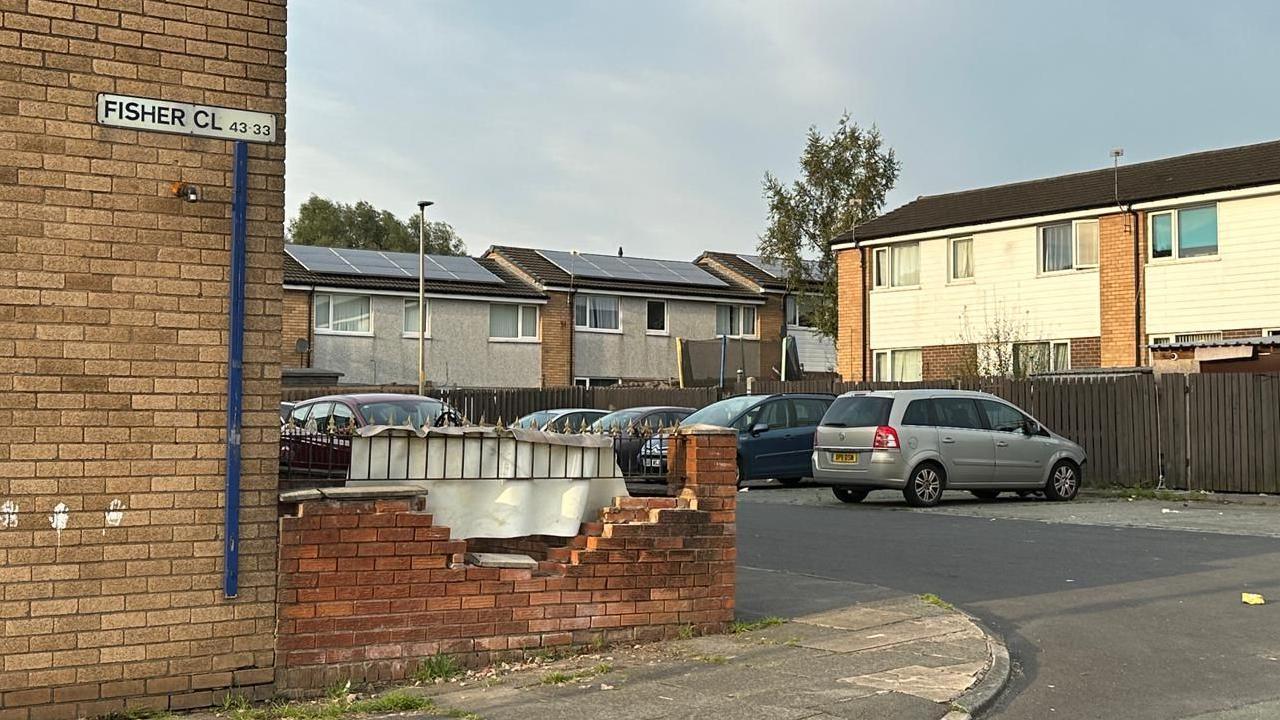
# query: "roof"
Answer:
x=548 y=274
x=1202 y=172
x=752 y=267
x=1268 y=341
x=511 y=286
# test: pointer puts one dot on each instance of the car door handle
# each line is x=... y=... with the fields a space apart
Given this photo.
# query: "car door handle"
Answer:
x=1002 y=443
x=948 y=440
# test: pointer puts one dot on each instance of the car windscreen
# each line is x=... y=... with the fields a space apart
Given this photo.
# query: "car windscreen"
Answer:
x=418 y=413
x=722 y=413
x=616 y=421
x=534 y=420
x=858 y=411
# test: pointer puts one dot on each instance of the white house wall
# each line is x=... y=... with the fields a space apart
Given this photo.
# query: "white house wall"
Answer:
x=1005 y=290
x=816 y=353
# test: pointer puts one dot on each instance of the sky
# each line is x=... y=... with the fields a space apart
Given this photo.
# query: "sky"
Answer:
x=649 y=126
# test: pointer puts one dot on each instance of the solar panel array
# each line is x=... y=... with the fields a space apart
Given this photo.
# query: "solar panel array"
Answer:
x=775 y=268
x=612 y=267
x=376 y=263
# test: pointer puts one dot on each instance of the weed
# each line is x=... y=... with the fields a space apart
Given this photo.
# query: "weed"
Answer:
x=711 y=659
x=332 y=709
x=234 y=703
x=687 y=632
x=137 y=713
x=737 y=627
x=437 y=667
x=560 y=678
x=338 y=691
x=556 y=678
x=937 y=601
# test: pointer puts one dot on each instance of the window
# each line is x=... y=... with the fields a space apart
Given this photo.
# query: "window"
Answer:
x=962 y=259
x=411 y=318
x=595 y=312
x=1038 y=357
x=898 y=365
x=319 y=418
x=859 y=411
x=656 y=317
x=802 y=311
x=342 y=313
x=955 y=412
x=897 y=265
x=1184 y=233
x=1068 y=246
x=919 y=412
x=1271 y=332
x=776 y=414
x=807 y=411
x=1001 y=417
x=513 y=322
x=594 y=382
x=1197 y=337
x=736 y=320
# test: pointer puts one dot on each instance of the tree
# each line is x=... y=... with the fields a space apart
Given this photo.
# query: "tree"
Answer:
x=850 y=164
x=362 y=226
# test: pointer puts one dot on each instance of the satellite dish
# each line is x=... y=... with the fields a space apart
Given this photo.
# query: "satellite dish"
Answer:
x=301 y=346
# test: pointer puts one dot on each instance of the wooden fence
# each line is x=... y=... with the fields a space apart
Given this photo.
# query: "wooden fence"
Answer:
x=1217 y=432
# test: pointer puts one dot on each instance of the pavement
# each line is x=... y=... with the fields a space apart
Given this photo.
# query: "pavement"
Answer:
x=893 y=656
x=1109 y=607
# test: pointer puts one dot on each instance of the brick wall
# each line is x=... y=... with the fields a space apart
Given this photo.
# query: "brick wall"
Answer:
x=295 y=325
x=113 y=334
x=942 y=362
x=850 y=342
x=1086 y=352
x=1119 y=282
x=370 y=587
x=557 y=340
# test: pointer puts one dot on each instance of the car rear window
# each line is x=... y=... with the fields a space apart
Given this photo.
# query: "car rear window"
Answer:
x=858 y=411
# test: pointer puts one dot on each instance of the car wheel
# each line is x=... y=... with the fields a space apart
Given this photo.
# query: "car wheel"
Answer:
x=924 y=487
x=849 y=495
x=985 y=494
x=1064 y=481
x=790 y=482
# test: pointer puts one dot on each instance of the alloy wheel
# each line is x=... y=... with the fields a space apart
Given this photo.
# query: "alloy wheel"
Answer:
x=928 y=485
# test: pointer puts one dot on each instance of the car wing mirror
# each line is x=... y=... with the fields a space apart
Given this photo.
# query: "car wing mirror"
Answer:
x=759 y=428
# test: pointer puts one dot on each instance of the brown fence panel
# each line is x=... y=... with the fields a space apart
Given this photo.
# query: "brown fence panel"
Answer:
x=617 y=398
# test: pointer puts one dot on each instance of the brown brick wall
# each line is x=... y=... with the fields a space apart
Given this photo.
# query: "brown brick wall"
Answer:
x=557 y=340
x=1122 y=331
x=296 y=324
x=113 y=335
x=369 y=588
x=1086 y=352
x=849 y=340
x=942 y=362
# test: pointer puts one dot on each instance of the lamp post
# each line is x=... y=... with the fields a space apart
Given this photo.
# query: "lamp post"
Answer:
x=422 y=295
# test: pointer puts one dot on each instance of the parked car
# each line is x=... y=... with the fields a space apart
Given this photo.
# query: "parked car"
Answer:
x=630 y=429
x=562 y=420
x=925 y=441
x=775 y=434
x=316 y=437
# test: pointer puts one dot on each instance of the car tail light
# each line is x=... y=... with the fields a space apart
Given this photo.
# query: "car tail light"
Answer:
x=886 y=439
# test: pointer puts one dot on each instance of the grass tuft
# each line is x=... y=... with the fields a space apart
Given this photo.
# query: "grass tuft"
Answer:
x=737 y=627
x=561 y=678
x=139 y=713
x=937 y=601
x=331 y=709
x=437 y=667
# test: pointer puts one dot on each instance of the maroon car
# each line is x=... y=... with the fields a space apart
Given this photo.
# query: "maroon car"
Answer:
x=315 y=438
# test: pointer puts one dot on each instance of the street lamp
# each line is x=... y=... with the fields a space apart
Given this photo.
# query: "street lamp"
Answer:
x=422 y=295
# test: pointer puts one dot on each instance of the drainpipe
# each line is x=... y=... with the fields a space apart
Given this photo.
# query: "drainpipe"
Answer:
x=1139 y=287
x=235 y=372
x=866 y=315
x=311 y=325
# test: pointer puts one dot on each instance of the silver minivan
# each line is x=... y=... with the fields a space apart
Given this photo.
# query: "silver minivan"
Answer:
x=924 y=441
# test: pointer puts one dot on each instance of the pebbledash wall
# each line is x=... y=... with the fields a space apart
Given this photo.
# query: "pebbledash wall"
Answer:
x=113 y=335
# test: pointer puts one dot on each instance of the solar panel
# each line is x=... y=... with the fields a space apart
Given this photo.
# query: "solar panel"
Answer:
x=775 y=268
x=633 y=269
x=375 y=263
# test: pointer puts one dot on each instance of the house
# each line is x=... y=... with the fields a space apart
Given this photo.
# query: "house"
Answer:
x=1074 y=271
x=357 y=310
x=787 y=308
x=611 y=319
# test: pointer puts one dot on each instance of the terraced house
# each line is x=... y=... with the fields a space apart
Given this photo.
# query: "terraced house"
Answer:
x=1075 y=271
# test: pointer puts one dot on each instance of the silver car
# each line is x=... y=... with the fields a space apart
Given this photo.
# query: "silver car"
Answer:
x=924 y=441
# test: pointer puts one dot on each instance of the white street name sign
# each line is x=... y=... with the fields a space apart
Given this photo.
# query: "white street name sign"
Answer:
x=186 y=119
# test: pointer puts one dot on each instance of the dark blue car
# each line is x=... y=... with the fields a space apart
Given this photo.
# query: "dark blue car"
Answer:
x=775 y=434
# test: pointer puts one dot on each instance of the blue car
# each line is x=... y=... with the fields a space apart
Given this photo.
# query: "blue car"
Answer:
x=775 y=434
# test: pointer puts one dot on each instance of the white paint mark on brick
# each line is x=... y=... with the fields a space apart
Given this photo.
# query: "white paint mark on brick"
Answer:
x=58 y=520
x=9 y=514
x=115 y=514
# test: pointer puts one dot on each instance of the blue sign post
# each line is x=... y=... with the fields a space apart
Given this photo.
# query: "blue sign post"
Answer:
x=235 y=370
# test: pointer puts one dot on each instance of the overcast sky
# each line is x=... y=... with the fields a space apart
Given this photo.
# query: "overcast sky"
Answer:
x=589 y=125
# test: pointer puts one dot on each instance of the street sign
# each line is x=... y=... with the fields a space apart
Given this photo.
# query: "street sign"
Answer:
x=139 y=113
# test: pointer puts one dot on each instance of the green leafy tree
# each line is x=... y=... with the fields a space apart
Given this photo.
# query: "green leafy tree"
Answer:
x=362 y=226
x=852 y=164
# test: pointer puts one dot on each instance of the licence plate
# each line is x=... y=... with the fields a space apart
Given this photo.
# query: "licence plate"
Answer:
x=845 y=458
x=653 y=462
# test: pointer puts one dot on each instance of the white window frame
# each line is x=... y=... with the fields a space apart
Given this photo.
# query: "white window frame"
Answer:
x=888 y=355
x=1175 y=226
x=740 y=325
x=886 y=283
x=520 y=337
x=1076 y=265
x=326 y=328
x=412 y=332
x=1053 y=344
x=666 y=317
x=590 y=300
x=951 y=261
x=1270 y=332
x=1075 y=243
x=1190 y=337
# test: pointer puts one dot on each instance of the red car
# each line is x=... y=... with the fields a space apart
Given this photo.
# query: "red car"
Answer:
x=315 y=438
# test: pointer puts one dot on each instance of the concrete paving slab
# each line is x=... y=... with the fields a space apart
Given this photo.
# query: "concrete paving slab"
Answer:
x=938 y=684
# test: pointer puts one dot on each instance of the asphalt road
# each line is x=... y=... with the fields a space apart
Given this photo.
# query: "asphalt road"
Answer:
x=1101 y=620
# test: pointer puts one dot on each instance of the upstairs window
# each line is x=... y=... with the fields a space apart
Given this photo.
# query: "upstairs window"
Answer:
x=411 y=318
x=595 y=312
x=962 y=259
x=513 y=322
x=736 y=320
x=897 y=265
x=342 y=314
x=1184 y=233
x=656 y=317
x=1068 y=246
x=802 y=311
